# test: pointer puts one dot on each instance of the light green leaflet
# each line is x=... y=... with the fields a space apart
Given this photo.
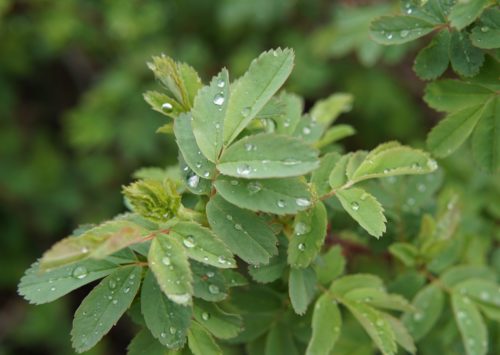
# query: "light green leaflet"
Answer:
x=375 y=324
x=253 y=90
x=378 y=298
x=278 y=196
x=166 y=320
x=189 y=148
x=102 y=240
x=268 y=155
x=168 y=261
x=301 y=288
x=41 y=287
x=320 y=176
x=485 y=141
x=246 y=234
x=487 y=33
x=104 y=306
x=454 y=95
x=309 y=235
x=403 y=338
x=465 y=12
x=326 y=326
x=221 y=324
x=429 y=303
x=350 y=282
x=164 y=104
x=481 y=291
x=201 y=342
x=202 y=245
x=208 y=115
x=471 y=325
x=326 y=111
x=364 y=209
x=329 y=265
x=399 y=29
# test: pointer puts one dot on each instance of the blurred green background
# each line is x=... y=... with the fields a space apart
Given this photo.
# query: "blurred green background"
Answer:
x=74 y=126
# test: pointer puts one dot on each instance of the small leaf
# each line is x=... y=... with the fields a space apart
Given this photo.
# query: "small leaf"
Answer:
x=326 y=111
x=208 y=115
x=201 y=342
x=378 y=298
x=268 y=156
x=278 y=196
x=40 y=287
x=274 y=270
x=347 y=283
x=330 y=265
x=104 y=306
x=326 y=326
x=487 y=34
x=338 y=175
x=280 y=341
x=320 y=176
x=453 y=130
x=432 y=61
x=164 y=104
x=145 y=343
x=168 y=261
x=485 y=141
x=466 y=12
x=221 y=324
x=481 y=291
x=404 y=252
x=308 y=130
x=167 y=320
x=429 y=303
x=301 y=288
x=186 y=141
x=376 y=325
x=243 y=232
x=364 y=209
x=403 y=338
x=399 y=29
x=457 y=274
x=334 y=134
x=466 y=60
x=209 y=283
x=204 y=246
x=471 y=325
x=309 y=235
x=253 y=90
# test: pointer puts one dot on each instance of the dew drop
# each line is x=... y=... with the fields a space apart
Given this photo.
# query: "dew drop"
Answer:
x=281 y=203
x=229 y=217
x=404 y=33
x=163 y=335
x=355 y=206
x=193 y=181
x=291 y=161
x=421 y=188
x=306 y=130
x=246 y=111
x=432 y=164
x=243 y=170
x=126 y=290
x=213 y=289
x=172 y=330
x=84 y=250
x=386 y=171
x=286 y=123
x=389 y=36
x=52 y=289
x=189 y=242
x=205 y=316
x=301 y=228
x=254 y=187
x=249 y=147
x=238 y=227
x=417 y=317
x=221 y=260
x=234 y=182
x=112 y=284
x=165 y=260
x=206 y=174
x=379 y=322
x=219 y=99
x=198 y=164
x=167 y=107
x=79 y=272
x=411 y=201
x=221 y=83
x=303 y=202
x=485 y=29
x=115 y=301
x=301 y=247
x=484 y=296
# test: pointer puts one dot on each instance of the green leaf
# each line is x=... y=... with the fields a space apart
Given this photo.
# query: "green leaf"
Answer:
x=320 y=176
x=432 y=61
x=454 y=95
x=268 y=156
x=429 y=303
x=253 y=90
x=378 y=298
x=280 y=341
x=471 y=325
x=375 y=324
x=405 y=252
x=347 y=283
x=104 y=306
x=326 y=111
x=400 y=160
x=246 y=234
x=274 y=270
x=167 y=320
x=453 y=130
x=403 y=338
x=355 y=160
x=168 y=261
x=221 y=324
x=164 y=104
x=209 y=283
x=330 y=265
x=193 y=182
x=189 y=148
x=466 y=12
x=335 y=134
x=485 y=141
x=308 y=130
x=481 y=291
x=201 y=342
x=399 y=29
x=100 y=241
x=487 y=34
x=466 y=60
x=278 y=196
x=457 y=274
x=338 y=175
x=326 y=326
x=309 y=235
x=364 y=209
x=144 y=343
x=209 y=110
x=204 y=246
x=301 y=288
x=40 y=287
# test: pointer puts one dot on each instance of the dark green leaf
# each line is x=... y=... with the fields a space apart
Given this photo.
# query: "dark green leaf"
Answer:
x=433 y=60
x=466 y=60
x=201 y=342
x=330 y=265
x=221 y=324
x=301 y=288
x=486 y=137
x=465 y=12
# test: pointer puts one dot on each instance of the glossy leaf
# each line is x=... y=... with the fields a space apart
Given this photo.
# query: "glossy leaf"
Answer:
x=454 y=95
x=268 y=156
x=209 y=282
x=246 y=234
x=104 y=306
x=326 y=111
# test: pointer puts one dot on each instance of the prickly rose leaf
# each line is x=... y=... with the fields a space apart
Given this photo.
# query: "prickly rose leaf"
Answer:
x=326 y=111
x=326 y=326
x=403 y=338
x=209 y=282
x=164 y=104
x=486 y=34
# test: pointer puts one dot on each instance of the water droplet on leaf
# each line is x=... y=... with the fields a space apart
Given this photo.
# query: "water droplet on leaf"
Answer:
x=243 y=170
x=167 y=107
x=79 y=272
x=189 y=242
x=219 y=99
x=303 y=202
x=355 y=206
